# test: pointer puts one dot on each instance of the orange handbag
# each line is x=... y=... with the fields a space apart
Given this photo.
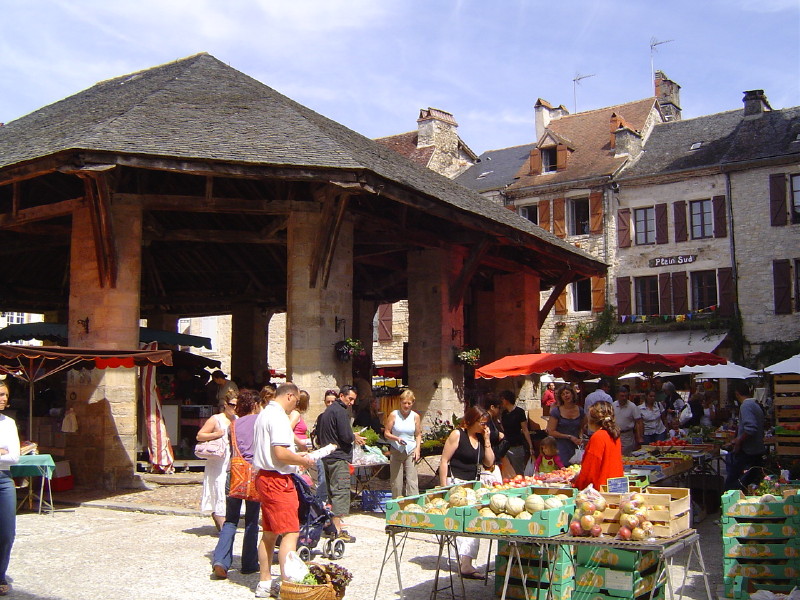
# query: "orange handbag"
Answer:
x=243 y=475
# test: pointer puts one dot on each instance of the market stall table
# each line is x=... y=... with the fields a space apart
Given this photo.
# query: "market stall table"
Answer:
x=31 y=466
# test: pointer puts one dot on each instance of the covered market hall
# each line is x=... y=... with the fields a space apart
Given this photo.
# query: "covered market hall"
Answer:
x=192 y=189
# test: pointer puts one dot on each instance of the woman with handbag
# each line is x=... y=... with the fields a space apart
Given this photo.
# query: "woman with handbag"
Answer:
x=248 y=405
x=215 y=475
x=9 y=455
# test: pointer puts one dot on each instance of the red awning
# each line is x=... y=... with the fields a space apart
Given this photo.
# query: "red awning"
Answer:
x=578 y=365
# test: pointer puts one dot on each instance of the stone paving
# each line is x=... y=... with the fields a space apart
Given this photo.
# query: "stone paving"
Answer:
x=155 y=544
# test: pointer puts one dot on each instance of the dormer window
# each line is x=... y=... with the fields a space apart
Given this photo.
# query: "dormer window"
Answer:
x=549 y=160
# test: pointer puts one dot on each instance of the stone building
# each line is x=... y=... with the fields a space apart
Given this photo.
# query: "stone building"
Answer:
x=191 y=189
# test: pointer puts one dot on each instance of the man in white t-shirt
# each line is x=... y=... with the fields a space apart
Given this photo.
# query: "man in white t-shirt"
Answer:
x=629 y=420
x=601 y=393
x=276 y=461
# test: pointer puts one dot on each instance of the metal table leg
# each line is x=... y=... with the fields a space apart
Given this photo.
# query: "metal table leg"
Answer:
x=393 y=541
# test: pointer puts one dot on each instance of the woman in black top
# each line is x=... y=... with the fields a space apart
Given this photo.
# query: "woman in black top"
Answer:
x=515 y=426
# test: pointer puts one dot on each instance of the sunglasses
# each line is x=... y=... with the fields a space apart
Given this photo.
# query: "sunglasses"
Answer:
x=231 y=403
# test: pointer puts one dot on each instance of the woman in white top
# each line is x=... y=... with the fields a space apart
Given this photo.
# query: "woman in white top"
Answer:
x=216 y=472
x=653 y=417
x=9 y=455
x=404 y=432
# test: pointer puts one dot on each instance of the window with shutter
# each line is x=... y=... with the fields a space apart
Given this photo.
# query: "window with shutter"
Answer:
x=598 y=294
x=795 y=180
x=700 y=215
x=720 y=217
x=385 y=323
x=797 y=285
x=645 y=225
x=536 y=162
x=665 y=293
x=646 y=289
x=623 y=295
x=680 y=295
x=725 y=284
x=558 y=218
x=679 y=214
x=704 y=289
x=777 y=199
x=662 y=237
x=781 y=281
x=579 y=216
x=561 y=303
x=596 y=212
x=624 y=228
x=582 y=295
x=544 y=214
x=561 y=157
x=549 y=159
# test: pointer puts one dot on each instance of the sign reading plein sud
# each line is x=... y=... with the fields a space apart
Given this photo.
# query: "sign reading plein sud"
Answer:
x=666 y=261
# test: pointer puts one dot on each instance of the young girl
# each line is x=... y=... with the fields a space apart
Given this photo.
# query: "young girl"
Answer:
x=548 y=459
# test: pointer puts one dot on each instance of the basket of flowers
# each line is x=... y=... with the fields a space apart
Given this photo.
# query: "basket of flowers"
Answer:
x=323 y=582
x=348 y=348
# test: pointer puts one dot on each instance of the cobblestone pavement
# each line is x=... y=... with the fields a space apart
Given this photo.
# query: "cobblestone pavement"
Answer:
x=155 y=544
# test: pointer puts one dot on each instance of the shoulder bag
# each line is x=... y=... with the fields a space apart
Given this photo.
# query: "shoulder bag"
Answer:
x=210 y=449
x=243 y=475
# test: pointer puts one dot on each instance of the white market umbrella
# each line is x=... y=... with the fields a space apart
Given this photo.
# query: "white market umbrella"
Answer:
x=788 y=366
x=547 y=378
x=727 y=371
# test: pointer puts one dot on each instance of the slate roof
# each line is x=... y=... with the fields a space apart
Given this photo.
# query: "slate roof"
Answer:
x=406 y=144
x=496 y=169
x=201 y=108
x=725 y=139
x=589 y=133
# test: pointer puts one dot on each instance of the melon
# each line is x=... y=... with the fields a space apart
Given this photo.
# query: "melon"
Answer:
x=525 y=515
x=553 y=503
x=498 y=503
x=534 y=503
x=515 y=505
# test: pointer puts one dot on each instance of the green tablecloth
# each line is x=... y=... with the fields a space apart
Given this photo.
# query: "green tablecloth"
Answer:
x=34 y=465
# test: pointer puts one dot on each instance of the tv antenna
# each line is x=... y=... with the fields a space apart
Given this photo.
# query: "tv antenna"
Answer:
x=575 y=83
x=653 y=46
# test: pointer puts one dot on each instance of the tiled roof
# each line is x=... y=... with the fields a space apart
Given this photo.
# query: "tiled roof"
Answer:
x=201 y=108
x=406 y=144
x=496 y=169
x=589 y=133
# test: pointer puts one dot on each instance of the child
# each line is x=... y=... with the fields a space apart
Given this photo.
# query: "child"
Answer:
x=675 y=430
x=548 y=459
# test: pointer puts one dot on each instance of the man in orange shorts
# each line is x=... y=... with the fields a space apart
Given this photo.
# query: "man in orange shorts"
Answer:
x=276 y=460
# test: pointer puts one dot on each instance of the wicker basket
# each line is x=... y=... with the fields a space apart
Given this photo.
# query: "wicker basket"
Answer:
x=301 y=591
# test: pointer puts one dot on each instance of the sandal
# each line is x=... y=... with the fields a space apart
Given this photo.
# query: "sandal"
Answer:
x=473 y=575
x=5 y=588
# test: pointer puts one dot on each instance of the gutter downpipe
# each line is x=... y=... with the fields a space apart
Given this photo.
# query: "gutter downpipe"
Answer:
x=734 y=269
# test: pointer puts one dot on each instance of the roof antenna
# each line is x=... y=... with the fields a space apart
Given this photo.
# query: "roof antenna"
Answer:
x=653 y=43
x=575 y=82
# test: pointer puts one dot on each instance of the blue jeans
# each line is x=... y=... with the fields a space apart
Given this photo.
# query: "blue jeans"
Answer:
x=223 y=553
x=8 y=520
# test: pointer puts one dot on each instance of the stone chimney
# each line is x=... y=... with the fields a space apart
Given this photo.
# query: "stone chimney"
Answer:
x=755 y=103
x=668 y=95
x=627 y=142
x=437 y=128
x=546 y=113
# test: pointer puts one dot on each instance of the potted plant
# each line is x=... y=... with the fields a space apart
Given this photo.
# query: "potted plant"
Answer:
x=348 y=348
x=468 y=356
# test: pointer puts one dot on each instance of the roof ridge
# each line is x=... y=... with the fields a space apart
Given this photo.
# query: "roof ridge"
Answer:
x=148 y=69
x=386 y=137
x=613 y=106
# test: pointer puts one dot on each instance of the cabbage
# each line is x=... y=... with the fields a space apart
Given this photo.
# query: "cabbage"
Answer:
x=498 y=503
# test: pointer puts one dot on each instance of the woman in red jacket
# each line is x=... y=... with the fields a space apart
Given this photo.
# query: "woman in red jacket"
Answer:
x=603 y=455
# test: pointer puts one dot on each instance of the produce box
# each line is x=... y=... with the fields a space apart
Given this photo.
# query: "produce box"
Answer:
x=544 y=523
x=398 y=513
x=629 y=560
x=591 y=594
x=669 y=517
x=733 y=548
x=736 y=504
x=560 y=571
x=742 y=588
x=665 y=529
x=787 y=528
x=733 y=568
x=623 y=584
x=537 y=551
x=535 y=590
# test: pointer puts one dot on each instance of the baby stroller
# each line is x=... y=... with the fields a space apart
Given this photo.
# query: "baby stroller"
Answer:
x=316 y=521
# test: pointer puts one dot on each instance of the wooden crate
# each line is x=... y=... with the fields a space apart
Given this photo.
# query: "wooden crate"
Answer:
x=786 y=399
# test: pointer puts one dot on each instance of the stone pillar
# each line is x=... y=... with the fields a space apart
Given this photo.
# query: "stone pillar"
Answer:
x=311 y=334
x=517 y=327
x=248 y=341
x=433 y=374
x=104 y=450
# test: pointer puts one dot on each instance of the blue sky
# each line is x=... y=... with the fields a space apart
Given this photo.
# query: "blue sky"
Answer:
x=372 y=64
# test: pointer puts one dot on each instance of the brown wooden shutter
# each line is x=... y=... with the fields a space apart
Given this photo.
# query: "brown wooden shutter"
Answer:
x=623 y=295
x=385 y=323
x=624 y=228
x=680 y=295
x=596 y=212
x=777 y=199
x=598 y=294
x=665 y=293
x=558 y=218
x=725 y=291
x=679 y=213
x=662 y=235
x=536 y=161
x=561 y=303
x=544 y=214
x=781 y=281
x=561 y=157
x=720 y=217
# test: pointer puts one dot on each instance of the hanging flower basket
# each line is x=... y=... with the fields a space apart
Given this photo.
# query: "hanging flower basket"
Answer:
x=468 y=356
x=346 y=349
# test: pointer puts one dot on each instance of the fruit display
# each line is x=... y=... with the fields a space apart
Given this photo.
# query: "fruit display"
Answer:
x=561 y=476
x=589 y=509
x=670 y=442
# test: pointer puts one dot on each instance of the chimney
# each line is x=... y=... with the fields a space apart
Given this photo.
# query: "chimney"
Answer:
x=627 y=142
x=755 y=103
x=668 y=95
x=437 y=128
x=546 y=113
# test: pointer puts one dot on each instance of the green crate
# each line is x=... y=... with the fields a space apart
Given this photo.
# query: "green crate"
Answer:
x=516 y=591
x=563 y=570
x=742 y=588
x=594 y=594
x=735 y=504
x=629 y=560
x=787 y=528
x=627 y=584
x=396 y=515
x=545 y=523
x=531 y=551
x=734 y=568
x=733 y=548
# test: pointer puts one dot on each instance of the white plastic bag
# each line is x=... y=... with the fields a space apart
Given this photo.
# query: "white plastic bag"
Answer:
x=295 y=569
x=491 y=477
x=530 y=468
x=686 y=415
x=577 y=457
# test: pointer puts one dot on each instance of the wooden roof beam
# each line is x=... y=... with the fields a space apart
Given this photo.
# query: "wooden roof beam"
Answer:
x=559 y=287
x=471 y=264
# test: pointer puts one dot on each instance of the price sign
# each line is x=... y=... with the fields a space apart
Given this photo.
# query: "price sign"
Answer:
x=696 y=440
x=618 y=485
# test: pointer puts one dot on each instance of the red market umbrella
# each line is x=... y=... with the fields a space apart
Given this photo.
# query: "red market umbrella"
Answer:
x=577 y=365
